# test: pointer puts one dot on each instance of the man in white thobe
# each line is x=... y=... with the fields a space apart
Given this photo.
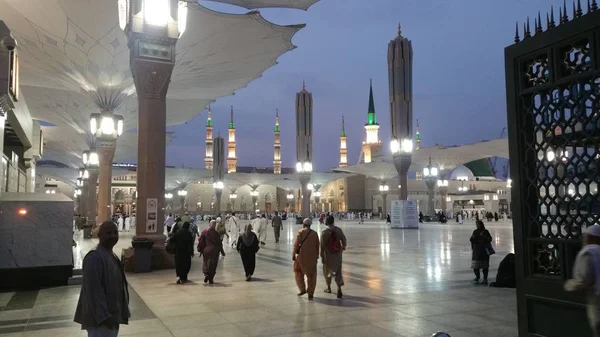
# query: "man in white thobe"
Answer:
x=263 y=223
x=234 y=229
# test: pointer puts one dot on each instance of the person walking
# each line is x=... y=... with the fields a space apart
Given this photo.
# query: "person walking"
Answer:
x=262 y=229
x=333 y=243
x=305 y=256
x=234 y=229
x=586 y=275
x=120 y=222
x=210 y=246
x=103 y=303
x=184 y=247
x=481 y=240
x=127 y=223
x=169 y=222
x=277 y=225
x=247 y=246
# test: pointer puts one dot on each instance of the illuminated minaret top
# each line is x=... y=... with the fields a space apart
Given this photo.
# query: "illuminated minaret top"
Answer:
x=277 y=146
x=343 y=147
x=231 y=158
x=371 y=147
x=208 y=159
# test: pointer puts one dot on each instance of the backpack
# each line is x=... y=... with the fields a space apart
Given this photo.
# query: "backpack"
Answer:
x=202 y=242
x=333 y=244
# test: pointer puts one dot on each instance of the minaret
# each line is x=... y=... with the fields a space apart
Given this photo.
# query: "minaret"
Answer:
x=231 y=158
x=371 y=147
x=419 y=175
x=400 y=73
x=208 y=160
x=277 y=146
x=343 y=148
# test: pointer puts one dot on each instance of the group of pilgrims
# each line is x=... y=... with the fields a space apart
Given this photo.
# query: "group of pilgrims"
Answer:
x=307 y=248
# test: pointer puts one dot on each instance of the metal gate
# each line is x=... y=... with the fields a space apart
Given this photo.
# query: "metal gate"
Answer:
x=553 y=99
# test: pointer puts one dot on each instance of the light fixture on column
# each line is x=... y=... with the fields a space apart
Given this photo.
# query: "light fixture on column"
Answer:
x=442 y=183
x=462 y=187
x=443 y=187
x=509 y=183
x=78 y=192
x=84 y=174
x=90 y=159
x=304 y=167
x=79 y=182
x=384 y=188
x=233 y=196
x=310 y=186
x=106 y=125
x=218 y=185
x=404 y=146
x=182 y=193
x=168 y=195
x=430 y=176
x=254 y=195
x=140 y=16
x=290 y=196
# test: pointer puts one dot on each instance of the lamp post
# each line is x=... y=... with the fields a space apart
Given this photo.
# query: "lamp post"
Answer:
x=106 y=127
x=462 y=188
x=232 y=198
x=169 y=203
x=443 y=186
x=304 y=167
x=254 y=195
x=182 y=194
x=90 y=175
x=218 y=171
x=430 y=175
x=384 y=189
x=152 y=28
x=290 y=199
x=84 y=186
x=400 y=75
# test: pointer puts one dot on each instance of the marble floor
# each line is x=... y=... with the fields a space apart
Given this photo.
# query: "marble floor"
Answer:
x=402 y=283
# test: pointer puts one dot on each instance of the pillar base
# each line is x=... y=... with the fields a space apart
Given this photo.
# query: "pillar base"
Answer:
x=160 y=259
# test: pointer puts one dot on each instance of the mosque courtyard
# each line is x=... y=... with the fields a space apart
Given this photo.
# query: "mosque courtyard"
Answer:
x=407 y=283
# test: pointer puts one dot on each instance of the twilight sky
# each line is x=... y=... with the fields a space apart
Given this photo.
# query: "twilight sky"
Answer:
x=459 y=93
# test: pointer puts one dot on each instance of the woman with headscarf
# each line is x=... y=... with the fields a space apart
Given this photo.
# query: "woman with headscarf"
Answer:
x=247 y=246
x=212 y=247
x=481 y=240
x=184 y=247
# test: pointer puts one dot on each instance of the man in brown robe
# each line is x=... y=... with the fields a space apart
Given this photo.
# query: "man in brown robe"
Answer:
x=104 y=300
x=333 y=243
x=305 y=257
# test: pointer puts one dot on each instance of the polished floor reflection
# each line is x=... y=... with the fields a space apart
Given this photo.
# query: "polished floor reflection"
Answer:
x=398 y=283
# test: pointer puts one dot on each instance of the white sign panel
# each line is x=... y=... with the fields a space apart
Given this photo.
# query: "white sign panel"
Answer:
x=404 y=214
x=151 y=214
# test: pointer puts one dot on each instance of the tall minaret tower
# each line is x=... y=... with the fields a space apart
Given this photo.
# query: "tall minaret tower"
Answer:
x=277 y=146
x=343 y=148
x=231 y=158
x=208 y=159
x=371 y=147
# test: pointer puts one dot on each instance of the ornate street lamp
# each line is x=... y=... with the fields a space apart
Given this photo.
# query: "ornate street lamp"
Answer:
x=443 y=186
x=182 y=194
x=254 y=195
x=152 y=28
x=430 y=176
x=89 y=175
x=509 y=183
x=106 y=127
x=384 y=189
x=232 y=198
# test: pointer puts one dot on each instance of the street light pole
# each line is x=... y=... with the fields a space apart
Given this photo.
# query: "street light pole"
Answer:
x=182 y=194
x=304 y=167
x=152 y=28
x=384 y=189
x=106 y=127
x=218 y=171
x=443 y=186
x=90 y=174
x=430 y=175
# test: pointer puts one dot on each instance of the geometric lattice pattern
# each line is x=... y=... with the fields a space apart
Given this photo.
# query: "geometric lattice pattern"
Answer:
x=560 y=108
